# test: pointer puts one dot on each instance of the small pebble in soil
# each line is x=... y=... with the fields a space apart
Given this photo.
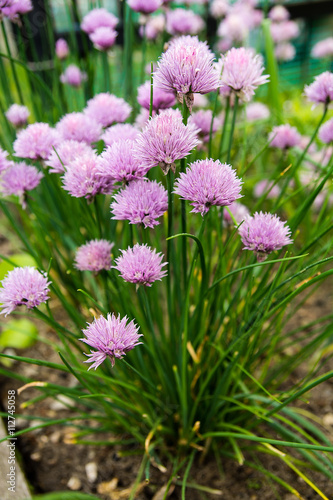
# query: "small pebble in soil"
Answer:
x=74 y=483
x=91 y=471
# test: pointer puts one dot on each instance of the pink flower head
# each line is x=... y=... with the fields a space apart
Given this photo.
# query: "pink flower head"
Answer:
x=321 y=90
x=233 y=29
x=239 y=212
x=165 y=140
x=112 y=337
x=187 y=67
x=61 y=48
x=284 y=137
x=154 y=27
x=118 y=163
x=285 y=51
x=241 y=73
x=73 y=76
x=284 y=31
x=18 y=179
x=98 y=18
x=323 y=49
x=107 y=109
x=79 y=127
x=207 y=183
x=81 y=178
x=94 y=256
x=161 y=99
x=278 y=13
x=141 y=202
x=325 y=133
x=264 y=233
x=257 y=111
x=142 y=118
x=119 y=132
x=200 y=101
x=219 y=8
x=183 y=22
x=65 y=153
x=17 y=115
x=4 y=162
x=145 y=6
x=15 y=8
x=103 y=38
x=23 y=286
x=140 y=265
x=202 y=120
x=266 y=186
x=36 y=141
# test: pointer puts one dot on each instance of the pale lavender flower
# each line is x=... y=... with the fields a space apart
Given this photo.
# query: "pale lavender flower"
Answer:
x=4 y=162
x=165 y=140
x=98 y=18
x=219 y=8
x=36 y=141
x=202 y=120
x=79 y=127
x=161 y=99
x=65 y=153
x=278 y=13
x=257 y=111
x=284 y=137
x=284 y=31
x=241 y=73
x=119 y=164
x=140 y=265
x=18 y=179
x=16 y=8
x=200 y=101
x=145 y=6
x=23 y=286
x=154 y=27
x=233 y=29
x=81 y=179
x=239 y=212
x=321 y=90
x=325 y=133
x=323 y=49
x=207 y=183
x=183 y=22
x=73 y=76
x=285 y=51
x=266 y=186
x=118 y=132
x=107 y=109
x=112 y=337
x=94 y=256
x=264 y=233
x=61 y=48
x=17 y=115
x=187 y=68
x=103 y=38
x=141 y=202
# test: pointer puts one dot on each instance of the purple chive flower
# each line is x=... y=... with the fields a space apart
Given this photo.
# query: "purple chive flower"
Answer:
x=165 y=140
x=61 y=48
x=219 y=8
x=233 y=29
x=323 y=49
x=239 y=212
x=263 y=233
x=98 y=18
x=107 y=109
x=94 y=256
x=154 y=27
x=103 y=38
x=81 y=179
x=23 y=286
x=161 y=99
x=112 y=337
x=65 y=153
x=321 y=90
x=79 y=127
x=325 y=133
x=18 y=179
x=284 y=31
x=36 y=141
x=207 y=183
x=119 y=132
x=142 y=119
x=284 y=137
x=17 y=115
x=257 y=111
x=145 y=6
x=15 y=8
x=141 y=202
x=241 y=73
x=266 y=186
x=119 y=163
x=202 y=119
x=187 y=68
x=140 y=265
x=4 y=162
x=285 y=51
x=183 y=22
x=278 y=13
x=73 y=76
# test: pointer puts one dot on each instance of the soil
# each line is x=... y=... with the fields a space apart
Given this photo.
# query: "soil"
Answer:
x=52 y=462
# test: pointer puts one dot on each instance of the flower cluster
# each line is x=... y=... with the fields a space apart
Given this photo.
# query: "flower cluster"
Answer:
x=107 y=109
x=140 y=265
x=94 y=256
x=18 y=179
x=119 y=163
x=36 y=141
x=17 y=115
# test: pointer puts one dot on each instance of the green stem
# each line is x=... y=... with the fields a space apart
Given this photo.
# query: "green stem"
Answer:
x=151 y=89
x=212 y=123
x=144 y=49
x=232 y=128
x=224 y=130
x=107 y=82
x=170 y=246
x=17 y=83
